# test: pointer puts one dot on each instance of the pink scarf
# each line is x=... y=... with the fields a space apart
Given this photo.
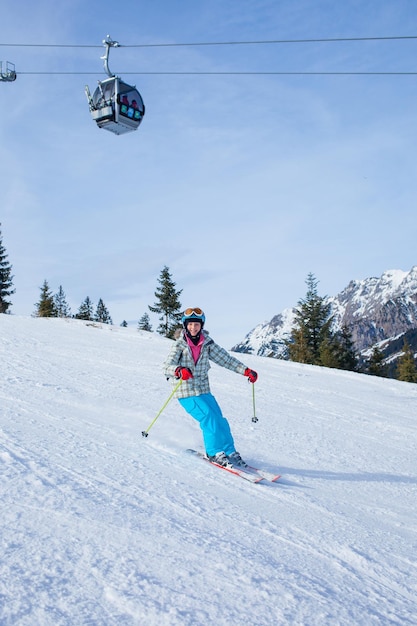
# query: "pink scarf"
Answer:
x=195 y=350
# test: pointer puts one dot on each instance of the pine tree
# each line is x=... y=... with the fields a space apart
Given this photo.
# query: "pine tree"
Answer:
x=167 y=304
x=406 y=366
x=345 y=350
x=298 y=348
x=375 y=365
x=6 y=279
x=61 y=305
x=329 y=352
x=46 y=305
x=85 y=312
x=145 y=323
x=124 y=324
x=312 y=326
x=102 y=314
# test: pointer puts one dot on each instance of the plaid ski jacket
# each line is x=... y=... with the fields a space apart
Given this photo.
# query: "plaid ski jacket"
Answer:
x=180 y=356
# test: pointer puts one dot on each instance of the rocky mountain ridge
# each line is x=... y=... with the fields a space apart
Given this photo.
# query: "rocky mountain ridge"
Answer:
x=378 y=311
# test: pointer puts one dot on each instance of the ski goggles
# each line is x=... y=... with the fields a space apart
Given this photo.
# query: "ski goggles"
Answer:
x=193 y=311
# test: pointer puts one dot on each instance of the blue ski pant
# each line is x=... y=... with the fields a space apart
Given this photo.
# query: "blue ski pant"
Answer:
x=217 y=436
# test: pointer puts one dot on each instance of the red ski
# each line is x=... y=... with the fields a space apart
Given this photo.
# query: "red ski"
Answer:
x=252 y=477
x=270 y=476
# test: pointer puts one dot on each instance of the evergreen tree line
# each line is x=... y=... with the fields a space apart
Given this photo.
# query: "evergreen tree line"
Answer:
x=312 y=340
x=167 y=305
x=56 y=305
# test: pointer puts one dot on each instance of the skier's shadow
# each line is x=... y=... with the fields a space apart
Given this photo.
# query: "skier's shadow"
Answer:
x=366 y=477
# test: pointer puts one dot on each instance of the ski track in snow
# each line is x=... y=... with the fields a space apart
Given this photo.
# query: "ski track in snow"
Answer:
x=103 y=527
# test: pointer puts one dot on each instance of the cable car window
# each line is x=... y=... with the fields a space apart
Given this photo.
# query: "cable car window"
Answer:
x=131 y=105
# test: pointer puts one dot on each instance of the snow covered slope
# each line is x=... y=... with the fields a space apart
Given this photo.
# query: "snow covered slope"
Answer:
x=103 y=527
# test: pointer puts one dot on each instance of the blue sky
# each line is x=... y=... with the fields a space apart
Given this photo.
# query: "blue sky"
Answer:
x=240 y=184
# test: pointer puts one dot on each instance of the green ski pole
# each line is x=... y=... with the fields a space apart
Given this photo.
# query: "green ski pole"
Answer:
x=145 y=433
x=254 y=418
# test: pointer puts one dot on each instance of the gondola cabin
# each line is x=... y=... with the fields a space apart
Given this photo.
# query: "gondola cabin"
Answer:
x=7 y=71
x=116 y=106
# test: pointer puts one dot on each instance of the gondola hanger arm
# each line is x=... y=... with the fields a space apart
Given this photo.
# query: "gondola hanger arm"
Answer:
x=108 y=43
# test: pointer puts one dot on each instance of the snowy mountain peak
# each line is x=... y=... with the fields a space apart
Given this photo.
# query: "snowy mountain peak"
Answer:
x=374 y=309
x=372 y=291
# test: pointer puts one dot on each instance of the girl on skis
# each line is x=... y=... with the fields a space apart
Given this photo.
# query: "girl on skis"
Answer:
x=189 y=360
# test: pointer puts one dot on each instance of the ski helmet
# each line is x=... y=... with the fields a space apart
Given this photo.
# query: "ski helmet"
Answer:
x=193 y=314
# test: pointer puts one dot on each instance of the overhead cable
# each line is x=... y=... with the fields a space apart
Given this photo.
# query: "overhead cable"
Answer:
x=220 y=43
x=232 y=73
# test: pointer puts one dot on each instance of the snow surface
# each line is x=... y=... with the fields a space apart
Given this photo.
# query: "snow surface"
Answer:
x=101 y=526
